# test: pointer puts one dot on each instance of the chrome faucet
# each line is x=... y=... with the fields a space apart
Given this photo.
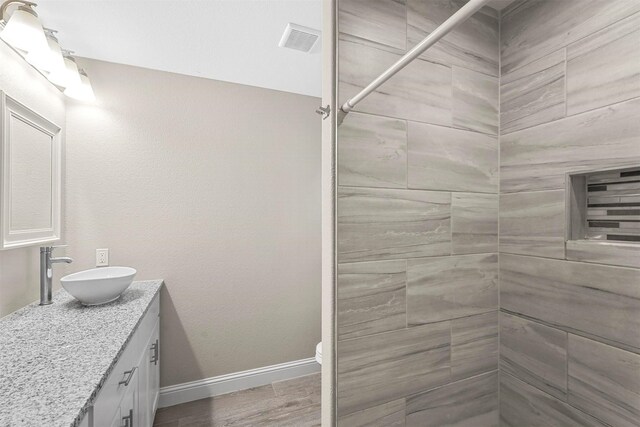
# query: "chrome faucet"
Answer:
x=46 y=272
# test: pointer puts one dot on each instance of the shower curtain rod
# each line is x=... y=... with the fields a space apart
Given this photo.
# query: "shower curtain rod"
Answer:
x=454 y=20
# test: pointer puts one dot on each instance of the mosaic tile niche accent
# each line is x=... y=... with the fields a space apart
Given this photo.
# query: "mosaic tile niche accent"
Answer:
x=613 y=205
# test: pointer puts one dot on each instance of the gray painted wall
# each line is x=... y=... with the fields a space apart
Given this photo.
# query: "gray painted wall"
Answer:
x=19 y=268
x=417 y=290
x=214 y=187
x=570 y=101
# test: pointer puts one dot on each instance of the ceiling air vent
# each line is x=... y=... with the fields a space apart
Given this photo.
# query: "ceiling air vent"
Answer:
x=299 y=38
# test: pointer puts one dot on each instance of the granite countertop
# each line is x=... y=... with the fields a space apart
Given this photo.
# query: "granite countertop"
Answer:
x=54 y=359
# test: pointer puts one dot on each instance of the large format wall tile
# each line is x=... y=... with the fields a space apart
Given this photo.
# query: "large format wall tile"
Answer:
x=604 y=68
x=600 y=301
x=532 y=29
x=532 y=223
x=524 y=405
x=604 y=381
x=371 y=298
x=475 y=101
x=372 y=151
x=612 y=253
x=535 y=353
x=474 y=223
x=378 y=224
x=380 y=21
x=443 y=288
x=442 y=158
x=391 y=414
x=420 y=92
x=380 y=368
x=538 y=158
x=472 y=402
x=474 y=345
x=533 y=94
x=474 y=44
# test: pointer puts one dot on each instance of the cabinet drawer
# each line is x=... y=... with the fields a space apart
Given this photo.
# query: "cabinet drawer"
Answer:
x=146 y=326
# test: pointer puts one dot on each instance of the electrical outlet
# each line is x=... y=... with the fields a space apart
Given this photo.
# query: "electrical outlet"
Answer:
x=102 y=257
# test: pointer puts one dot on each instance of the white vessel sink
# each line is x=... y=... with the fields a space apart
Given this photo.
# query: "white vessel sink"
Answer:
x=98 y=285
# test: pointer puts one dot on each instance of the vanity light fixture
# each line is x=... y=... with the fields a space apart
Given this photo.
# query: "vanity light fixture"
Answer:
x=81 y=91
x=22 y=30
x=49 y=59
x=66 y=76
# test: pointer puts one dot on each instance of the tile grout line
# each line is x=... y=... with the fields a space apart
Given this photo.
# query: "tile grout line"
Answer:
x=571 y=260
x=406 y=293
x=582 y=334
x=370 y=44
x=499 y=196
x=420 y=325
x=428 y=190
x=565 y=88
x=566 y=346
x=423 y=123
x=574 y=41
x=406 y=171
x=614 y=104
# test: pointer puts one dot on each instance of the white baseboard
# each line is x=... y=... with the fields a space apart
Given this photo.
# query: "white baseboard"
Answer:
x=214 y=386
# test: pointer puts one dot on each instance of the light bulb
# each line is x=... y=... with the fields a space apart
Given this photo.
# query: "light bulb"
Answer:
x=67 y=75
x=81 y=91
x=49 y=59
x=23 y=30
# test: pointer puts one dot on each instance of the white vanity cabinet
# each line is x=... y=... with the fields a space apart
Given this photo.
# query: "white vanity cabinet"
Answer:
x=129 y=396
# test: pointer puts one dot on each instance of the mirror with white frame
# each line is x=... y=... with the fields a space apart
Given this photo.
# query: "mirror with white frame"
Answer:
x=30 y=182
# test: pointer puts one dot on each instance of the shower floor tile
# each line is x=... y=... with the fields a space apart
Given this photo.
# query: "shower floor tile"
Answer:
x=292 y=403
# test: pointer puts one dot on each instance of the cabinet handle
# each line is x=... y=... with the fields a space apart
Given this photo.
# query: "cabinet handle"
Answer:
x=128 y=420
x=154 y=348
x=129 y=375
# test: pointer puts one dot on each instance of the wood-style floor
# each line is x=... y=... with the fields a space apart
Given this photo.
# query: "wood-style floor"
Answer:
x=292 y=403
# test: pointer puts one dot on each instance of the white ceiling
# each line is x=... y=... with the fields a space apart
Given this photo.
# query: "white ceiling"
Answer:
x=499 y=4
x=229 y=40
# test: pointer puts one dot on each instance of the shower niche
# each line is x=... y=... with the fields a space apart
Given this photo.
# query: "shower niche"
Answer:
x=603 y=216
x=604 y=206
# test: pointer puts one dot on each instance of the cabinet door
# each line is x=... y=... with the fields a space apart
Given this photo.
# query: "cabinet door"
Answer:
x=85 y=419
x=149 y=379
x=154 y=372
x=143 y=389
x=116 y=421
x=129 y=406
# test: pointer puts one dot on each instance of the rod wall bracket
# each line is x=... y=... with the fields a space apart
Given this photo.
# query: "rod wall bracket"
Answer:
x=324 y=111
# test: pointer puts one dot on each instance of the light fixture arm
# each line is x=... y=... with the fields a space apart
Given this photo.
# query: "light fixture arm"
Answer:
x=27 y=7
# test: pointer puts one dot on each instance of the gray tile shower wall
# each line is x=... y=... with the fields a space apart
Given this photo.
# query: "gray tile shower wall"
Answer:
x=473 y=45
x=570 y=315
x=417 y=231
x=428 y=164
